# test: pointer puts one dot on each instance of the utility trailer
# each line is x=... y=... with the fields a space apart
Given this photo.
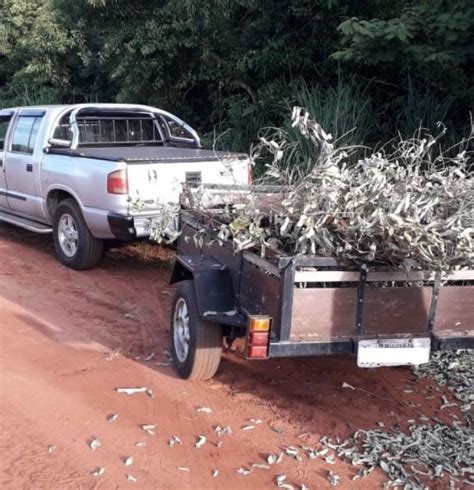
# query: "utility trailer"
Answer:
x=288 y=306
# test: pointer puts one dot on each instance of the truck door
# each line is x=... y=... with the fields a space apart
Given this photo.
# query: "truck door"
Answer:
x=5 y=118
x=21 y=164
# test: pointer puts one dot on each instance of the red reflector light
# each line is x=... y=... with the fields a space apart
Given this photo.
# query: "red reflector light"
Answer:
x=258 y=338
x=257 y=352
x=117 y=182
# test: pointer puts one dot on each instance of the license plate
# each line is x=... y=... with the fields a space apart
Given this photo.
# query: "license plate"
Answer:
x=393 y=352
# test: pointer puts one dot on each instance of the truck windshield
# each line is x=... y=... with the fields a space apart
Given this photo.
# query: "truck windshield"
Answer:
x=111 y=130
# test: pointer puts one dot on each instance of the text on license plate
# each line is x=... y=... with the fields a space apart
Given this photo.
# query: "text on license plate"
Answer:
x=393 y=352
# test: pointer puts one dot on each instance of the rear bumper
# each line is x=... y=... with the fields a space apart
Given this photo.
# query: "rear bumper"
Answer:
x=108 y=225
x=300 y=349
x=122 y=226
x=127 y=227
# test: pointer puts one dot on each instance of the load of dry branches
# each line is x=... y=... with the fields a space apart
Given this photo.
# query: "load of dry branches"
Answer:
x=410 y=207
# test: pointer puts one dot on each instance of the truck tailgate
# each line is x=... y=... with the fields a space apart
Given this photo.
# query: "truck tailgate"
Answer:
x=158 y=183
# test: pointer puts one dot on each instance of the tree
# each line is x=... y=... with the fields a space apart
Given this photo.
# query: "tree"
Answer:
x=233 y=66
x=33 y=46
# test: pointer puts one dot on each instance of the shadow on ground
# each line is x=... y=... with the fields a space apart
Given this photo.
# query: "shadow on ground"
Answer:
x=123 y=307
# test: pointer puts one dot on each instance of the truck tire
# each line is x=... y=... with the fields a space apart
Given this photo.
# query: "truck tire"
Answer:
x=73 y=242
x=196 y=345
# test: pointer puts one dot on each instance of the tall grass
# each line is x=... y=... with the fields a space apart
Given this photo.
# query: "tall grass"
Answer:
x=422 y=110
x=349 y=113
x=23 y=95
x=239 y=129
x=345 y=111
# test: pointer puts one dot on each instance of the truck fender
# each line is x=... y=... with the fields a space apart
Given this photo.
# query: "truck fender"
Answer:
x=212 y=284
x=60 y=188
x=95 y=219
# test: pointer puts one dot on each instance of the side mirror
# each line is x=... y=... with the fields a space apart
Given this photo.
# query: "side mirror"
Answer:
x=57 y=143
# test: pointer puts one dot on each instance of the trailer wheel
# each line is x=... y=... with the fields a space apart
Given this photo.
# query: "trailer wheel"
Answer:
x=196 y=345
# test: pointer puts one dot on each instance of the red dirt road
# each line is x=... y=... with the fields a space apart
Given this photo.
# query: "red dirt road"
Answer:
x=68 y=339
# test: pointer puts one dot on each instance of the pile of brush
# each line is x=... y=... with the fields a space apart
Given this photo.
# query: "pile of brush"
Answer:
x=410 y=207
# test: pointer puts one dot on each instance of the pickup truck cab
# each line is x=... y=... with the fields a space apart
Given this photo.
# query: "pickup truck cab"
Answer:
x=78 y=171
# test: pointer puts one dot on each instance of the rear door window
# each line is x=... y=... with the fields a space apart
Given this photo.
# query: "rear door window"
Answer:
x=24 y=136
x=4 y=122
x=34 y=134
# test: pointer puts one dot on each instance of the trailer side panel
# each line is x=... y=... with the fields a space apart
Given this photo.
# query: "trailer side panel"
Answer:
x=323 y=313
x=455 y=311
x=398 y=310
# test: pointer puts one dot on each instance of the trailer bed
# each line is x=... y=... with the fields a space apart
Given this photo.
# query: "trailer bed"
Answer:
x=324 y=305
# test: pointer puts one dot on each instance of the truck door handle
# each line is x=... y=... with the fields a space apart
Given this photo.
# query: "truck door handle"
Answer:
x=29 y=167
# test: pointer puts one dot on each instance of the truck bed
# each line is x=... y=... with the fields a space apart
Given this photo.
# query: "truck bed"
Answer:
x=159 y=154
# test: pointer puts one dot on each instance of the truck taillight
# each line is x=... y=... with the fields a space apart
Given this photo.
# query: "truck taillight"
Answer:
x=250 y=173
x=117 y=182
x=258 y=337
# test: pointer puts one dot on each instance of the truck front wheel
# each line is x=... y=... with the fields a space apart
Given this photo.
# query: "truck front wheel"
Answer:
x=74 y=244
x=196 y=345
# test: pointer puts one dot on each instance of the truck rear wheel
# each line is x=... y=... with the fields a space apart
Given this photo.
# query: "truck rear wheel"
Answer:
x=196 y=345
x=74 y=244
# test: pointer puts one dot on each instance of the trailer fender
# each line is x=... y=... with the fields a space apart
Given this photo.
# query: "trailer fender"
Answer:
x=212 y=284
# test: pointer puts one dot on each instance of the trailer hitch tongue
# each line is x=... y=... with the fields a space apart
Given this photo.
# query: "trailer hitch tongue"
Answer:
x=258 y=337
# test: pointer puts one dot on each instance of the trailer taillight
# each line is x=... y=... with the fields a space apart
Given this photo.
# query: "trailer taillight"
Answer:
x=258 y=337
x=259 y=323
x=117 y=182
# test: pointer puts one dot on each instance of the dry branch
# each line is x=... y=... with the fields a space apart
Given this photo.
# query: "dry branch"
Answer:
x=404 y=207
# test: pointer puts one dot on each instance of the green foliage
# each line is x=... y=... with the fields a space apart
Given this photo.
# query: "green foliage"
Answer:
x=28 y=94
x=422 y=32
x=230 y=67
x=33 y=45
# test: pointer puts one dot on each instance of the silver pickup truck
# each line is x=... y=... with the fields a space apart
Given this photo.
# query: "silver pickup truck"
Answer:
x=77 y=170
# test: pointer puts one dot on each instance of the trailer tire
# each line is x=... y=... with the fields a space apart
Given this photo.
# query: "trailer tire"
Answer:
x=83 y=252
x=196 y=345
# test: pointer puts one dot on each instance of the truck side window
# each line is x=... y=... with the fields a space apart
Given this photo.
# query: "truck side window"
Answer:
x=63 y=129
x=177 y=131
x=24 y=136
x=163 y=127
x=4 y=122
